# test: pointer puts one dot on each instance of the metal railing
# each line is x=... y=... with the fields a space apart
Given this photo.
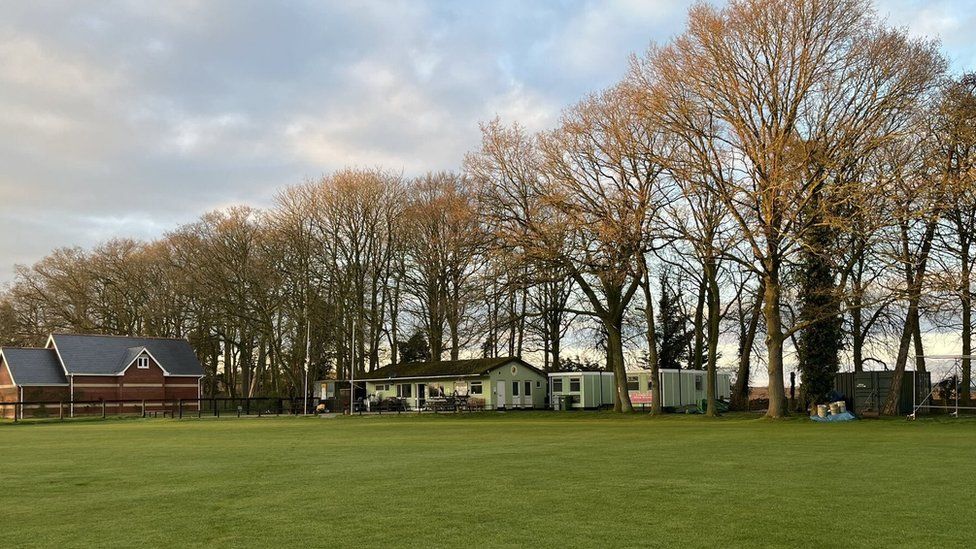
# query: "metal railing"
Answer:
x=174 y=408
x=232 y=407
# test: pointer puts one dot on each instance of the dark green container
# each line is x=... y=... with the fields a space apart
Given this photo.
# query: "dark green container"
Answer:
x=866 y=392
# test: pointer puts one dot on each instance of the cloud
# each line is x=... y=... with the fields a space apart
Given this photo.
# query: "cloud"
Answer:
x=127 y=118
x=950 y=21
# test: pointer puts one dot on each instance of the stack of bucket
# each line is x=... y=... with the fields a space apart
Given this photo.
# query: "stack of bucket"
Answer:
x=835 y=411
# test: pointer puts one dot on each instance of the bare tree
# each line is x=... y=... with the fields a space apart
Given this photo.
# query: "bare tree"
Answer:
x=767 y=89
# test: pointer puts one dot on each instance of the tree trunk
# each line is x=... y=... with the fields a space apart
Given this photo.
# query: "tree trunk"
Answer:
x=455 y=339
x=857 y=337
x=713 y=330
x=890 y=406
x=967 y=332
x=554 y=342
x=774 y=347
x=615 y=356
x=652 y=359
x=395 y=322
x=858 y=334
x=436 y=342
x=917 y=342
x=696 y=357
x=740 y=392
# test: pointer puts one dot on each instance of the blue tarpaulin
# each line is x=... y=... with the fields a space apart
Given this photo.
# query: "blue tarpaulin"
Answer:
x=843 y=416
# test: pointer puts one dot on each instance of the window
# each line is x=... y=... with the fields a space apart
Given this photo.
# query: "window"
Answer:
x=557 y=384
x=698 y=383
x=538 y=384
x=142 y=362
x=632 y=383
x=515 y=388
x=382 y=387
x=476 y=388
x=574 y=385
x=404 y=390
x=528 y=389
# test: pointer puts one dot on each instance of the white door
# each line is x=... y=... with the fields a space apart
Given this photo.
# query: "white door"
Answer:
x=499 y=395
x=526 y=394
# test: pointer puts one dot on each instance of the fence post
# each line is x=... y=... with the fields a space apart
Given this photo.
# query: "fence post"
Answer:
x=103 y=409
x=143 y=408
x=180 y=404
x=61 y=410
x=199 y=408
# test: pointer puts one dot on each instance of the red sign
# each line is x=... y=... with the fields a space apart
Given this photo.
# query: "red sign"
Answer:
x=638 y=397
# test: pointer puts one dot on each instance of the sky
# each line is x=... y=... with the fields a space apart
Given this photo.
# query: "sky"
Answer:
x=128 y=118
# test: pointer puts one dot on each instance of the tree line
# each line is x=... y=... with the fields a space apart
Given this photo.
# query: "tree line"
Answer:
x=795 y=179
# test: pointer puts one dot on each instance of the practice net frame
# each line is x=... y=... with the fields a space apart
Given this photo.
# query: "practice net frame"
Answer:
x=948 y=368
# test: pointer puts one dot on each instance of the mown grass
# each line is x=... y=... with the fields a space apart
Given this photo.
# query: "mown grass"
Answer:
x=499 y=480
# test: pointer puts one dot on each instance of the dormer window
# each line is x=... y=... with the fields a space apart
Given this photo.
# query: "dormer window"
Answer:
x=142 y=363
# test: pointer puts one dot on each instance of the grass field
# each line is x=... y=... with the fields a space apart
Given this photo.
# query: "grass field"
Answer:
x=500 y=480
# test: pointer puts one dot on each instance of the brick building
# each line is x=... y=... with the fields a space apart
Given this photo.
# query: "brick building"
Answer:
x=95 y=368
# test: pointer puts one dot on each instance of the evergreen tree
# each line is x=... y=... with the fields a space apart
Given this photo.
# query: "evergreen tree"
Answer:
x=673 y=334
x=415 y=349
x=819 y=344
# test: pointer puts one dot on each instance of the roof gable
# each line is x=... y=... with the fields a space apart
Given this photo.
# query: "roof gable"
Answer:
x=111 y=355
x=33 y=366
x=446 y=368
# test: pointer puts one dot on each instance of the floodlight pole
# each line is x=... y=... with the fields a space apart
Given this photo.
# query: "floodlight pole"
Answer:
x=352 y=369
x=308 y=350
x=957 y=378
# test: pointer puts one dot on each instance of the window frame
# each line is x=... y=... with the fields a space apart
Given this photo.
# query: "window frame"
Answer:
x=578 y=381
x=142 y=362
x=636 y=383
x=557 y=384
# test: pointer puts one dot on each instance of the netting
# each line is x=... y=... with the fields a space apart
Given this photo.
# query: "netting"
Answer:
x=949 y=393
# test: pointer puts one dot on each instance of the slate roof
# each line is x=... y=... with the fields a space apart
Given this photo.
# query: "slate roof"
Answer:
x=34 y=366
x=472 y=367
x=129 y=355
x=108 y=355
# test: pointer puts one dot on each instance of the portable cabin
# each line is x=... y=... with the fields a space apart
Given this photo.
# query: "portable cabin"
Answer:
x=678 y=387
x=586 y=390
x=866 y=392
x=595 y=389
x=495 y=383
